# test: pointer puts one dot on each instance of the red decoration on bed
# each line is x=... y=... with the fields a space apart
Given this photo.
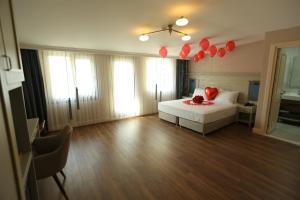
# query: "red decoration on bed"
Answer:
x=198 y=99
x=204 y=103
x=211 y=93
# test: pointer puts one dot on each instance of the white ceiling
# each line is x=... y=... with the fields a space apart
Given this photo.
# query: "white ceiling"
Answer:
x=114 y=25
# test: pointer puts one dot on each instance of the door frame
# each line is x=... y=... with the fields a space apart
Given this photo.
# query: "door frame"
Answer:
x=272 y=60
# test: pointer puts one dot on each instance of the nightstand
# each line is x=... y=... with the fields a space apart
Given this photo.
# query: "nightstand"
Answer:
x=246 y=114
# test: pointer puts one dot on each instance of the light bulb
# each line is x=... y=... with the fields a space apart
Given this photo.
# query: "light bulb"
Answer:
x=186 y=38
x=144 y=38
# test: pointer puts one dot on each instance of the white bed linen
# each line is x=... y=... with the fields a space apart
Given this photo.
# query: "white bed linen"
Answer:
x=198 y=113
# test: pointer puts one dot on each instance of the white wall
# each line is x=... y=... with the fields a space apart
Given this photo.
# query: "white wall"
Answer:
x=244 y=59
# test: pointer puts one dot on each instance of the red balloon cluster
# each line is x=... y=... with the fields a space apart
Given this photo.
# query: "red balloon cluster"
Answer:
x=212 y=50
x=205 y=47
x=163 y=52
x=185 y=50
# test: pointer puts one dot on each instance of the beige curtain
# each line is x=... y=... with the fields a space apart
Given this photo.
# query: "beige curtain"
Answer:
x=158 y=81
x=109 y=86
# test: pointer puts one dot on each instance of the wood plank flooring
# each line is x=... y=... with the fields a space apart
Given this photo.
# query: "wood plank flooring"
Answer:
x=147 y=158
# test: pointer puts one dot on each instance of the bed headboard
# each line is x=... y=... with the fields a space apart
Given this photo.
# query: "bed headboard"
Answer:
x=227 y=81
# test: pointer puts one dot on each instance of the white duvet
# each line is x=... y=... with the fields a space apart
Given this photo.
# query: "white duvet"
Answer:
x=198 y=113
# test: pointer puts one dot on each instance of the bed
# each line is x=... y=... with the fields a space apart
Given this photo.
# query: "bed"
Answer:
x=201 y=118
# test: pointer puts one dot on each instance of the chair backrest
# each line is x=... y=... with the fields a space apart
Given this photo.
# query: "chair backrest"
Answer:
x=63 y=150
x=50 y=163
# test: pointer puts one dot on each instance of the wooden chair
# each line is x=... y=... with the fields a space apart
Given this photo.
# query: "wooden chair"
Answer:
x=51 y=153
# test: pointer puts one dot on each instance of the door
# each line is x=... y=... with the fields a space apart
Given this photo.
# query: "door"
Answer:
x=3 y=64
x=277 y=91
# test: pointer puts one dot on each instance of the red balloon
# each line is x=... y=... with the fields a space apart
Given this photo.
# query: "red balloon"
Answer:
x=212 y=50
x=201 y=54
x=163 y=52
x=182 y=55
x=204 y=44
x=221 y=52
x=230 y=45
x=195 y=58
x=186 y=49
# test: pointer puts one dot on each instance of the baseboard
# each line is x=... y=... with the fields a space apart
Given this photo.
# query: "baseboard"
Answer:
x=285 y=140
x=258 y=131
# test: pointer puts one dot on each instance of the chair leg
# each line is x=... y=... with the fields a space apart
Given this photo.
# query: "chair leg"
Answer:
x=61 y=188
x=63 y=174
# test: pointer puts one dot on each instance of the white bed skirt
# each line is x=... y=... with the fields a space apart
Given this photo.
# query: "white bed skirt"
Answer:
x=197 y=126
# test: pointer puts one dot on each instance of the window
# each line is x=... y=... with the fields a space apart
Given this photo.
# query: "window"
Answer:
x=160 y=72
x=59 y=76
x=124 y=89
x=85 y=77
x=68 y=72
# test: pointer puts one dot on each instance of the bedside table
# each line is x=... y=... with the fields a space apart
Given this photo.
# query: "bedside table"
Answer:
x=246 y=114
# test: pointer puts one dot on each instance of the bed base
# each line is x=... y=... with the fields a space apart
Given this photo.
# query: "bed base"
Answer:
x=168 y=117
x=196 y=126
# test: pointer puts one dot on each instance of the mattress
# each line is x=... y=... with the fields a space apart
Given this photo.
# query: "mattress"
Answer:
x=198 y=113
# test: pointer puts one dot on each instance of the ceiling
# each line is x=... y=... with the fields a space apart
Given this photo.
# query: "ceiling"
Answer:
x=114 y=25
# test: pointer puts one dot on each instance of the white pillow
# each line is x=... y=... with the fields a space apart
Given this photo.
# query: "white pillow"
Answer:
x=200 y=92
x=227 y=97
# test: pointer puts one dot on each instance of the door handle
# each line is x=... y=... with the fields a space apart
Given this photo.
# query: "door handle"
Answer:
x=8 y=61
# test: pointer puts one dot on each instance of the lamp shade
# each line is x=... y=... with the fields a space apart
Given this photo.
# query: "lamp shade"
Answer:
x=182 y=21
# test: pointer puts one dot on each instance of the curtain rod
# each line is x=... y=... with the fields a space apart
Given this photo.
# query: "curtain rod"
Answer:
x=94 y=51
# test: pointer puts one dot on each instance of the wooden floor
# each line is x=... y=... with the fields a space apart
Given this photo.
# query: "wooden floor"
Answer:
x=146 y=158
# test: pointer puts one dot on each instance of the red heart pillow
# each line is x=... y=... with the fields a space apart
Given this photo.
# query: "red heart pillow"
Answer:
x=211 y=93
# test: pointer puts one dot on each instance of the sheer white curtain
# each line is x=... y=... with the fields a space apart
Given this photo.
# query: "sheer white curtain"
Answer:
x=120 y=96
x=159 y=81
x=126 y=99
x=71 y=87
x=83 y=88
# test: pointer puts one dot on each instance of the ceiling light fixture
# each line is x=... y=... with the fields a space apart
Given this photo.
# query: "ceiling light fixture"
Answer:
x=144 y=38
x=182 y=21
x=185 y=37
